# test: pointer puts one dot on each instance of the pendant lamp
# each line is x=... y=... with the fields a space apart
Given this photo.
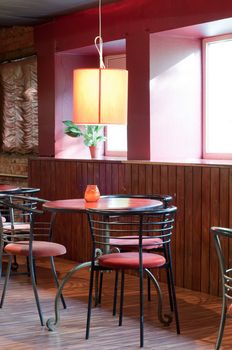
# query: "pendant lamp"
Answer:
x=100 y=95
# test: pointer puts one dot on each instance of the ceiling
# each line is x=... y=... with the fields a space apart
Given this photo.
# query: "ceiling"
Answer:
x=31 y=12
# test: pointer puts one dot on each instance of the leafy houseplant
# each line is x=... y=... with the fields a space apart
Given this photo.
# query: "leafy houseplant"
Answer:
x=92 y=134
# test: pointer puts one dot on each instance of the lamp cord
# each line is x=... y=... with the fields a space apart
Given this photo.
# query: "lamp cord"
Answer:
x=98 y=41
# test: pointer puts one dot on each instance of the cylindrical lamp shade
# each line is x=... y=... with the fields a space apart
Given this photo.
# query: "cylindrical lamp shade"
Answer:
x=100 y=96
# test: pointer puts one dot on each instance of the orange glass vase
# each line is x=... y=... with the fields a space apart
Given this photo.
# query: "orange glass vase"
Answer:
x=92 y=193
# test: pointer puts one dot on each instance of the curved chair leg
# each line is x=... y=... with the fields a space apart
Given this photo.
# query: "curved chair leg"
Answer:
x=165 y=319
x=51 y=322
x=222 y=325
x=56 y=280
x=33 y=281
x=121 y=298
x=6 y=280
x=169 y=289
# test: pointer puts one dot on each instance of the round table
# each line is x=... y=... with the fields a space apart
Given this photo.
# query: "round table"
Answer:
x=80 y=206
x=7 y=188
x=104 y=203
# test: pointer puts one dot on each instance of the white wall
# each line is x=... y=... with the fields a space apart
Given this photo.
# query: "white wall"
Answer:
x=175 y=98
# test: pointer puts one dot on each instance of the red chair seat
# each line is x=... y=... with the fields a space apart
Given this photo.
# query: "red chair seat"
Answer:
x=39 y=248
x=130 y=260
x=132 y=242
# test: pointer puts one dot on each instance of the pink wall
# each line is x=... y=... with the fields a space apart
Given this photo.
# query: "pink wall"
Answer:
x=66 y=146
x=129 y=19
x=175 y=97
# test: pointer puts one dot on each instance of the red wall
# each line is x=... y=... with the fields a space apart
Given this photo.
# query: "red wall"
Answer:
x=129 y=19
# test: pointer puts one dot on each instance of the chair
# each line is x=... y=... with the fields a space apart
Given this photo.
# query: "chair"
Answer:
x=147 y=225
x=21 y=239
x=131 y=244
x=220 y=235
x=9 y=215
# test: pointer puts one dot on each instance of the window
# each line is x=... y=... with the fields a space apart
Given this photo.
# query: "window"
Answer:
x=116 y=143
x=217 y=105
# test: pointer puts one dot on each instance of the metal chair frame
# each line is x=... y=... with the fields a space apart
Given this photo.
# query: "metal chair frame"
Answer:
x=9 y=213
x=226 y=278
x=142 y=227
x=28 y=206
x=166 y=200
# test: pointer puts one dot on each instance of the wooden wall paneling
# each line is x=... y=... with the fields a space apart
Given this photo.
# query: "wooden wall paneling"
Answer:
x=197 y=229
x=134 y=178
x=84 y=177
x=203 y=198
x=49 y=186
x=51 y=170
x=164 y=190
x=60 y=172
x=214 y=208
x=73 y=221
x=34 y=173
x=206 y=236
x=128 y=178
x=108 y=178
x=77 y=180
x=114 y=177
x=156 y=175
x=96 y=173
x=224 y=210
x=102 y=174
x=73 y=189
x=164 y=179
x=148 y=179
x=45 y=185
x=172 y=191
x=188 y=228
x=172 y=174
x=142 y=179
x=63 y=228
x=180 y=220
x=90 y=173
x=121 y=178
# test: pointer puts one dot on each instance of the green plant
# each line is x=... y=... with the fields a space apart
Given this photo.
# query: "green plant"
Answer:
x=92 y=134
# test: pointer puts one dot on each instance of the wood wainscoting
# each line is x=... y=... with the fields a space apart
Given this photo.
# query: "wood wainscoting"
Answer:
x=202 y=193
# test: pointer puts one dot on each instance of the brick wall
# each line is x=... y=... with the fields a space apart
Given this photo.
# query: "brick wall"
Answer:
x=14 y=169
x=15 y=42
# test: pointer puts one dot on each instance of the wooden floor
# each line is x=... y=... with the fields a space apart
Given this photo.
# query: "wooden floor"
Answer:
x=20 y=327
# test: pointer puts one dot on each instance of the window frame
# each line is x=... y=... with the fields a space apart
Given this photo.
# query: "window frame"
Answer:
x=207 y=154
